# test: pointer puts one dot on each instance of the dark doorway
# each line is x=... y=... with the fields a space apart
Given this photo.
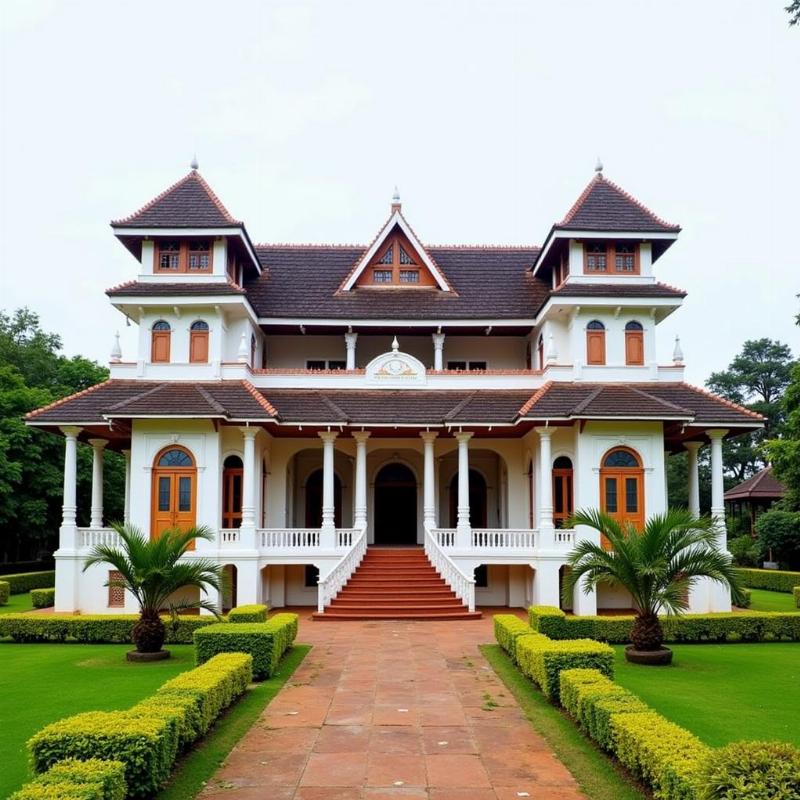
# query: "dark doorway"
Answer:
x=478 y=505
x=395 y=506
x=314 y=500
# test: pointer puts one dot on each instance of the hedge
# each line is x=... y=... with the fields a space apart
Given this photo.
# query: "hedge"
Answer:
x=507 y=630
x=796 y=593
x=266 y=642
x=92 y=628
x=542 y=659
x=43 y=598
x=92 y=779
x=254 y=613
x=773 y=580
x=747 y=599
x=749 y=626
x=5 y=591
x=23 y=582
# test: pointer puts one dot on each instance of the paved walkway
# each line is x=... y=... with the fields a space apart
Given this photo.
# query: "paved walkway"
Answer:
x=400 y=710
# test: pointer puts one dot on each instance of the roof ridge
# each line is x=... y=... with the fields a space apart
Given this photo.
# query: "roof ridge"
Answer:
x=460 y=406
x=260 y=399
x=534 y=398
x=328 y=402
x=586 y=400
x=62 y=400
x=667 y=403
x=152 y=390
x=208 y=397
x=311 y=245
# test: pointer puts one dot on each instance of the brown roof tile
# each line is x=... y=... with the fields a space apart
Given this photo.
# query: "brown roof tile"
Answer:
x=579 y=289
x=761 y=485
x=147 y=289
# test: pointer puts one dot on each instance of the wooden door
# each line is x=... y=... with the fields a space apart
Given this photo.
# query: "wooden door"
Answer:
x=622 y=488
x=174 y=495
x=634 y=348
x=232 y=497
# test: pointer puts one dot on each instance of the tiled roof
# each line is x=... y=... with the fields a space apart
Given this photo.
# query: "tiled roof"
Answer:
x=148 y=289
x=579 y=289
x=189 y=203
x=604 y=206
x=489 y=282
x=763 y=484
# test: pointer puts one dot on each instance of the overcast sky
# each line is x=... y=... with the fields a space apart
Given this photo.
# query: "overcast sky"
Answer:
x=488 y=115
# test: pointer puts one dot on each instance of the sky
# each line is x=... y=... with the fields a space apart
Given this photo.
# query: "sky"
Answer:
x=488 y=116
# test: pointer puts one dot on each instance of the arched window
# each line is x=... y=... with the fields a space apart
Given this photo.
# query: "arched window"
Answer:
x=232 y=476
x=634 y=343
x=175 y=457
x=174 y=491
x=622 y=487
x=160 y=335
x=563 y=502
x=595 y=343
x=198 y=342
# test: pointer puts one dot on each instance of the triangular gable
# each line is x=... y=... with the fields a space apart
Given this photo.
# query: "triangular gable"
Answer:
x=396 y=234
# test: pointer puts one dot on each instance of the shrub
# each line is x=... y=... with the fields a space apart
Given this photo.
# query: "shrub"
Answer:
x=751 y=771
x=747 y=599
x=664 y=755
x=796 y=593
x=92 y=629
x=773 y=580
x=778 y=533
x=745 y=551
x=23 y=582
x=266 y=642
x=105 y=778
x=254 y=613
x=145 y=744
x=5 y=591
x=570 y=683
x=542 y=659
x=43 y=598
x=507 y=630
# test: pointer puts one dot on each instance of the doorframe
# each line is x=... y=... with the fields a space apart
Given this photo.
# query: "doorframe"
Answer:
x=158 y=471
x=372 y=516
x=620 y=473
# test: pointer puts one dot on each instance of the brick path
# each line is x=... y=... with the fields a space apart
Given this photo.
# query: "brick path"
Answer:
x=400 y=710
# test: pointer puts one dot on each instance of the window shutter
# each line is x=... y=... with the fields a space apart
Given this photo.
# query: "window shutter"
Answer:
x=596 y=347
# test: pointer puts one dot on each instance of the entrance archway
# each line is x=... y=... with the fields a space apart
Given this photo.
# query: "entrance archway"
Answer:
x=395 y=505
x=314 y=500
x=478 y=502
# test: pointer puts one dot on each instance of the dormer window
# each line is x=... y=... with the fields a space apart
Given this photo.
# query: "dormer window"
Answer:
x=382 y=276
x=183 y=256
x=409 y=276
x=621 y=258
x=397 y=264
x=625 y=257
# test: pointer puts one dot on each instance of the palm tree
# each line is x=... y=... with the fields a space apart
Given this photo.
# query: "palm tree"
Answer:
x=152 y=571
x=657 y=565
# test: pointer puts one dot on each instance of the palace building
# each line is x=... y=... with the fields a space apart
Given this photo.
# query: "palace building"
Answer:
x=395 y=429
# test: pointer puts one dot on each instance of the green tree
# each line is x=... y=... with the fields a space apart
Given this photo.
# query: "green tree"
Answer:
x=785 y=452
x=794 y=12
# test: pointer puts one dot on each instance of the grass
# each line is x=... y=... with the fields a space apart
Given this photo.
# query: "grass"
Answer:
x=42 y=683
x=200 y=764
x=599 y=777
x=762 y=600
x=726 y=692
x=17 y=603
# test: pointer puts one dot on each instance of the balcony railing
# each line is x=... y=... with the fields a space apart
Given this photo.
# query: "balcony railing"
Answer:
x=90 y=537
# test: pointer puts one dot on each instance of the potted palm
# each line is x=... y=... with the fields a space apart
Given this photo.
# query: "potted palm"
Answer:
x=152 y=571
x=658 y=566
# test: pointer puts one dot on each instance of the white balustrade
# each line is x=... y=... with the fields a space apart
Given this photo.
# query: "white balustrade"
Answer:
x=346 y=536
x=229 y=536
x=565 y=537
x=335 y=580
x=445 y=537
x=89 y=537
x=503 y=538
x=461 y=584
x=288 y=538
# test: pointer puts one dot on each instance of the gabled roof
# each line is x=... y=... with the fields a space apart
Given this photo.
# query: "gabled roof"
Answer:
x=761 y=485
x=189 y=203
x=604 y=206
x=396 y=220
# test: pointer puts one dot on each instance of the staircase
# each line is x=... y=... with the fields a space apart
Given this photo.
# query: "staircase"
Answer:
x=396 y=583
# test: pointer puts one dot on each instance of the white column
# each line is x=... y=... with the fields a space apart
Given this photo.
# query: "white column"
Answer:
x=360 y=513
x=692 y=449
x=69 y=507
x=248 y=487
x=328 y=532
x=463 y=527
x=545 y=584
x=438 y=349
x=126 y=512
x=545 y=484
x=68 y=562
x=719 y=596
x=96 y=519
x=429 y=484
x=350 y=343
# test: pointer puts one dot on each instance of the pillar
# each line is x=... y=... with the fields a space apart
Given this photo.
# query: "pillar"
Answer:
x=545 y=480
x=429 y=485
x=350 y=339
x=68 y=562
x=328 y=532
x=692 y=449
x=438 y=351
x=719 y=596
x=463 y=527
x=248 y=488
x=69 y=507
x=360 y=508
x=545 y=584
x=126 y=512
x=96 y=519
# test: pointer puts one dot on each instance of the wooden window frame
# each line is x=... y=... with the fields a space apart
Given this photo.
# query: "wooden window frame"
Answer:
x=567 y=476
x=595 y=333
x=157 y=336
x=611 y=259
x=183 y=258
x=232 y=517
x=389 y=268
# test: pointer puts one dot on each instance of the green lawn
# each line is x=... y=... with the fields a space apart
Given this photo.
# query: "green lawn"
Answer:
x=17 y=603
x=762 y=600
x=726 y=692
x=41 y=683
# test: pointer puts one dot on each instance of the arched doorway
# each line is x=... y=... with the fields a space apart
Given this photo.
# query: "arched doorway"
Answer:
x=622 y=487
x=232 y=476
x=395 y=505
x=478 y=505
x=174 y=492
x=314 y=500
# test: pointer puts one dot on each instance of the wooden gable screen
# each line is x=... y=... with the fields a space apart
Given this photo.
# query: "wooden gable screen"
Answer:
x=634 y=344
x=595 y=343
x=397 y=263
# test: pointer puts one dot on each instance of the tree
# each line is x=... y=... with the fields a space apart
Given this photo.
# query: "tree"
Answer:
x=151 y=570
x=756 y=379
x=657 y=565
x=794 y=12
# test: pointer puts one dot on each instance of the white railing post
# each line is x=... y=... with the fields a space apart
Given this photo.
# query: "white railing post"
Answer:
x=463 y=585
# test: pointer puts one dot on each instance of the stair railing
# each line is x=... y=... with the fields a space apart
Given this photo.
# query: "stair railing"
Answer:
x=460 y=583
x=335 y=580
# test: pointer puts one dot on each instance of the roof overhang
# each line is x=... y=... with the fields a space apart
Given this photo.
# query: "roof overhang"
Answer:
x=659 y=307
x=133 y=305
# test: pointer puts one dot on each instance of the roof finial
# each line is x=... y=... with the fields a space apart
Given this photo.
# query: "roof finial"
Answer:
x=194 y=165
x=677 y=352
x=116 y=350
x=598 y=168
x=395 y=345
x=396 y=205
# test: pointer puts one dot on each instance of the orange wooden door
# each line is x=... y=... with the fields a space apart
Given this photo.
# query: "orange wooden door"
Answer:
x=634 y=348
x=174 y=493
x=595 y=347
x=622 y=497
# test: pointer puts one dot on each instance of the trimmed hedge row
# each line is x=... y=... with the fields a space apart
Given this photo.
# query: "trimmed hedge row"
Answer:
x=507 y=630
x=774 y=580
x=266 y=642
x=147 y=737
x=92 y=628
x=5 y=592
x=92 y=779
x=43 y=598
x=253 y=613
x=796 y=593
x=23 y=582
x=749 y=626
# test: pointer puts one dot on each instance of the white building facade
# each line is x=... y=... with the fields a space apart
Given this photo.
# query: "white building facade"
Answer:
x=307 y=403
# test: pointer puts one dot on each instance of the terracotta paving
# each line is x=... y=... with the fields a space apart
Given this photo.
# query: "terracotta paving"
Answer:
x=393 y=710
